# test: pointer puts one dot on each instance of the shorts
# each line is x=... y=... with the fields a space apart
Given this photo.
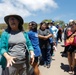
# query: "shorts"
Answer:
x=71 y=49
x=37 y=59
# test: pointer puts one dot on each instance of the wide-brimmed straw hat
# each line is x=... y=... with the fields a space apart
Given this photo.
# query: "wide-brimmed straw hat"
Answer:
x=19 y=18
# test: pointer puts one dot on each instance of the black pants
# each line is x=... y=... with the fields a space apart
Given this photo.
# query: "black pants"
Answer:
x=51 y=51
x=59 y=37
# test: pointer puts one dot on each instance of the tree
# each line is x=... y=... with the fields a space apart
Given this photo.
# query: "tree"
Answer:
x=47 y=20
x=60 y=22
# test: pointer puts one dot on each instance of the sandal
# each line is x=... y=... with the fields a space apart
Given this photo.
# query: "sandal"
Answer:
x=71 y=70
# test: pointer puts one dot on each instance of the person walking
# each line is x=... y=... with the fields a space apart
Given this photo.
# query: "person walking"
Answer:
x=14 y=45
x=59 y=35
x=55 y=31
x=71 y=46
x=68 y=47
x=74 y=47
x=65 y=36
x=33 y=36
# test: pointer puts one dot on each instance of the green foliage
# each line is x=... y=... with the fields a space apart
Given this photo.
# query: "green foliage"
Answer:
x=25 y=26
x=3 y=26
x=61 y=23
x=0 y=32
x=47 y=20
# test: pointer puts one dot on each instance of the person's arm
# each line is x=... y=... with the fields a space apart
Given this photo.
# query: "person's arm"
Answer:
x=56 y=30
x=4 y=50
x=49 y=34
x=3 y=43
x=29 y=47
x=10 y=59
x=28 y=42
x=45 y=37
x=41 y=36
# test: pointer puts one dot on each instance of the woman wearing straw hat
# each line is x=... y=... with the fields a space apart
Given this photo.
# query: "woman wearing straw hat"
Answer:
x=14 y=45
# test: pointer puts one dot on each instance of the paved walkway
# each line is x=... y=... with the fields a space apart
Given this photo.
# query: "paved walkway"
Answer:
x=59 y=64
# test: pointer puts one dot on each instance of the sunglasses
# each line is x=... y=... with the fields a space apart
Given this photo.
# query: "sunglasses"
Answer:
x=12 y=18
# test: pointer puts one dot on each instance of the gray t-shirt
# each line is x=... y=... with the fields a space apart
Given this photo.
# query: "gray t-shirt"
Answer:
x=17 y=45
x=43 y=42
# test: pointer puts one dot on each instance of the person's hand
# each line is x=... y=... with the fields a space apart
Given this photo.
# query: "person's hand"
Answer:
x=31 y=57
x=10 y=60
x=74 y=35
x=32 y=60
x=45 y=37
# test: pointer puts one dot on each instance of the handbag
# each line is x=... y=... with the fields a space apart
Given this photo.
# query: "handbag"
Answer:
x=74 y=42
x=71 y=40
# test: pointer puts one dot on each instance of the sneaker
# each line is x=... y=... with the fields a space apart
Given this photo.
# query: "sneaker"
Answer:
x=71 y=71
x=48 y=66
x=54 y=47
x=45 y=65
x=53 y=54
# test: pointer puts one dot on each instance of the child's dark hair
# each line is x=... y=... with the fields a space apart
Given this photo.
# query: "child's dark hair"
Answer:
x=34 y=26
x=42 y=24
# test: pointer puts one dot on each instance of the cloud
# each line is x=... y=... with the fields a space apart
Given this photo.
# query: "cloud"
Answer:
x=35 y=5
x=24 y=8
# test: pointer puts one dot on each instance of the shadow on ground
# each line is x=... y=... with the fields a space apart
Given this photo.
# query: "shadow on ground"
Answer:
x=63 y=54
x=62 y=45
x=64 y=67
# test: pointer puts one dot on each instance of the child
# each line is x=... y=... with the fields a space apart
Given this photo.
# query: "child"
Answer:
x=33 y=36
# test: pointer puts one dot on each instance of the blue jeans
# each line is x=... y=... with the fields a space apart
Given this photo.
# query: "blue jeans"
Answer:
x=46 y=55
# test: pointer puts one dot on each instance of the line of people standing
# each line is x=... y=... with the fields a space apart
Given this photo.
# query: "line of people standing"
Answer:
x=15 y=43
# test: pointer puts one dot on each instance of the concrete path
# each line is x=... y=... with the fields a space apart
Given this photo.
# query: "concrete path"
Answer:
x=59 y=64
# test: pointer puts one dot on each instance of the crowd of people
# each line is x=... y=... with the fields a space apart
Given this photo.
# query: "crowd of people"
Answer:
x=39 y=43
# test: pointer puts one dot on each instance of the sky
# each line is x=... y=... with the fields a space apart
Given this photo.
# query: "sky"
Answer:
x=38 y=10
